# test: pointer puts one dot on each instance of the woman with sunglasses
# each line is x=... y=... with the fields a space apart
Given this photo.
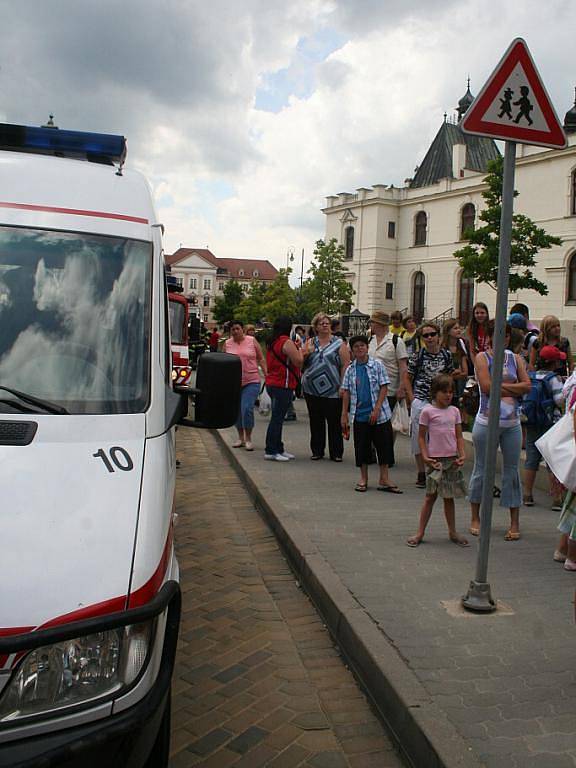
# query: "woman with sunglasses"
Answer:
x=423 y=366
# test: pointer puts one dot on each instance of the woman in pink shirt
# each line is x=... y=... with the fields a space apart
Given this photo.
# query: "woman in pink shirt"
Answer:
x=248 y=350
x=442 y=449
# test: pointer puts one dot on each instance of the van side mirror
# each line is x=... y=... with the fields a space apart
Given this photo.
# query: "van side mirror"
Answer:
x=216 y=395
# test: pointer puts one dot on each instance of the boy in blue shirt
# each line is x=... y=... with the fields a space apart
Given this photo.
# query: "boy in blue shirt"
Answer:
x=364 y=392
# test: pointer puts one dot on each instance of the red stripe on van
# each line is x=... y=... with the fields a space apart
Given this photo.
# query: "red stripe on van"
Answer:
x=138 y=598
x=73 y=212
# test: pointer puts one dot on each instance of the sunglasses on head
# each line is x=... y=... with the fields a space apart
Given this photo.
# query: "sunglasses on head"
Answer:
x=429 y=335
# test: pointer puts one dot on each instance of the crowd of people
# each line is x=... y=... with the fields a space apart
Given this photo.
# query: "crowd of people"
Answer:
x=356 y=387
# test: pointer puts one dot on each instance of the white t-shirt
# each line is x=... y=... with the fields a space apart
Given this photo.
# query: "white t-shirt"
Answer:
x=389 y=357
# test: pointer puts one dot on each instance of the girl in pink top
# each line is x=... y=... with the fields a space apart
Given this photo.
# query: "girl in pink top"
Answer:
x=248 y=350
x=442 y=448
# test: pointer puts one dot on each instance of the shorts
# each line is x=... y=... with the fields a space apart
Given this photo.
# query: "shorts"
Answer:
x=380 y=436
x=448 y=482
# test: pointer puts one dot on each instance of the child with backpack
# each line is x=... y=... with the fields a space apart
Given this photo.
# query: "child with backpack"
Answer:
x=541 y=408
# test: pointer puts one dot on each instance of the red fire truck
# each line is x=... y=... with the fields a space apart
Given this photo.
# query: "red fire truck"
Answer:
x=178 y=308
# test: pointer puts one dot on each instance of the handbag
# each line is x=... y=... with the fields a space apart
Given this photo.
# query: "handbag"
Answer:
x=470 y=400
x=400 y=418
x=558 y=449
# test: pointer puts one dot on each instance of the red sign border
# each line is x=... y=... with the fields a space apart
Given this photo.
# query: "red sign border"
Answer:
x=473 y=123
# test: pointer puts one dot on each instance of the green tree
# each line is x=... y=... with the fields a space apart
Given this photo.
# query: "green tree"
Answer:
x=250 y=309
x=225 y=306
x=279 y=298
x=479 y=259
x=328 y=289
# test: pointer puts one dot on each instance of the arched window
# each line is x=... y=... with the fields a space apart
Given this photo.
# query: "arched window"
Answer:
x=418 y=291
x=255 y=273
x=240 y=273
x=467 y=221
x=573 y=193
x=420 y=226
x=465 y=298
x=349 y=251
x=572 y=279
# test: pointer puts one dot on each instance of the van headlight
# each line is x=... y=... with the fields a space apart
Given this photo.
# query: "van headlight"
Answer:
x=76 y=671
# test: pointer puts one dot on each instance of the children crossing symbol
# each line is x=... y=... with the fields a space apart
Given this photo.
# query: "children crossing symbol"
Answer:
x=513 y=105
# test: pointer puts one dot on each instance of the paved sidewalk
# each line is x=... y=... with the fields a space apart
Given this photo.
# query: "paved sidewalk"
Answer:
x=257 y=681
x=459 y=689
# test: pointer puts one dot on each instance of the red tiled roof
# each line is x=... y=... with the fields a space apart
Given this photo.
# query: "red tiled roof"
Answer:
x=266 y=271
x=183 y=253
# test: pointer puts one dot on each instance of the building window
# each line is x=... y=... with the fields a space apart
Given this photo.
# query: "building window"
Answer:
x=205 y=318
x=206 y=301
x=418 y=291
x=193 y=284
x=207 y=284
x=573 y=193
x=389 y=290
x=572 y=279
x=240 y=273
x=392 y=229
x=465 y=299
x=420 y=227
x=349 y=248
x=220 y=286
x=467 y=221
x=255 y=273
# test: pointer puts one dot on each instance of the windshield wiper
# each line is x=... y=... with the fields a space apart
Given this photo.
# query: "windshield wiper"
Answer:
x=46 y=405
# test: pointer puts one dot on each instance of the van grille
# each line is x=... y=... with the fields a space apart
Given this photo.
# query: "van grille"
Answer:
x=17 y=432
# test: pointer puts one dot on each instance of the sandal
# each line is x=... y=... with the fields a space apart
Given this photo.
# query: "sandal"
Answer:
x=361 y=487
x=389 y=489
x=528 y=501
x=414 y=541
x=512 y=536
x=460 y=540
x=474 y=531
x=238 y=444
x=421 y=480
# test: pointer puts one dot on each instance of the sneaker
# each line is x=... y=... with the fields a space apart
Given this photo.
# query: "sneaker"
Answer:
x=248 y=445
x=288 y=455
x=421 y=480
x=569 y=565
x=557 y=505
x=528 y=501
x=558 y=557
x=238 y=444
x=276 y=457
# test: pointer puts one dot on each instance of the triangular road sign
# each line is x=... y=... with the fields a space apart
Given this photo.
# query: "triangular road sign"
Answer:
x=513 y=105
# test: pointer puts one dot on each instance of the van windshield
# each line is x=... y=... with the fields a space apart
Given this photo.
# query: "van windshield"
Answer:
x=75 y=319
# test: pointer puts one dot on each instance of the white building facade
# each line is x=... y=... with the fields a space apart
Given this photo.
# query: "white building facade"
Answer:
x=400 y=242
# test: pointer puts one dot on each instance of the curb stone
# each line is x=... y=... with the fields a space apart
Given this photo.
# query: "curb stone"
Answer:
x=422 y=731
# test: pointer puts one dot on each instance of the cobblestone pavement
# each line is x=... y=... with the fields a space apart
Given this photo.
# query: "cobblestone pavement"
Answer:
x=257 y=681
x=506 y=681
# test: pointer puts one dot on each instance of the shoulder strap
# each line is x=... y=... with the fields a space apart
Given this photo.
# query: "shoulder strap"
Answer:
x=294 y=371
x=395 y=340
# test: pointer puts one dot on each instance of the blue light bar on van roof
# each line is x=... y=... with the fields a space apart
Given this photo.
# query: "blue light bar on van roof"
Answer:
x=102 y=147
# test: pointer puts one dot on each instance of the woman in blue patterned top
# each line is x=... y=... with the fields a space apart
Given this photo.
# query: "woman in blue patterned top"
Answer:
x=326 y=358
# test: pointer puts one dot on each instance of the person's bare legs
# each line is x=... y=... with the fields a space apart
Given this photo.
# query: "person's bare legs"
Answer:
x=419 y=463
x=475 y=521
x=529 y=479
x=514 y=519
x=450 y=515
x=425 y=514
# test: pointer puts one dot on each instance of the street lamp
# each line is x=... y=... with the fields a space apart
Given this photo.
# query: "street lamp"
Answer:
x=289 y=256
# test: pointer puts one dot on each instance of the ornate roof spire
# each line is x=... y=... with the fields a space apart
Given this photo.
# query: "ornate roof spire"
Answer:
x=464 y=102
x=570 y=117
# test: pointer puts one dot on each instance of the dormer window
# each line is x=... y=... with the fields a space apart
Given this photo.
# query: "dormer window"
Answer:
x=240 y=273
x=255 y=273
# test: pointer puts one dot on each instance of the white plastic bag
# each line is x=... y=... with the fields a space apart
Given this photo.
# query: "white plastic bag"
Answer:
x=559 y=450
x=265 y=403
x=400 y=418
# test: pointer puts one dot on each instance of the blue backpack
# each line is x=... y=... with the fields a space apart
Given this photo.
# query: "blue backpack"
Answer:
x=538 y=404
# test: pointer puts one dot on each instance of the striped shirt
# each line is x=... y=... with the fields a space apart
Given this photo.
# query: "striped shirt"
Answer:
x=378 y=378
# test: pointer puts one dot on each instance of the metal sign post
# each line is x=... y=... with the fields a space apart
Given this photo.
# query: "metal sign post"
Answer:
x=479 y=597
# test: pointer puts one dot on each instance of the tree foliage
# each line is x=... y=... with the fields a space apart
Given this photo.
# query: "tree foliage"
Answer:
x=479 y=259
x=327 y=289
x=279 y=298
x=251 y=306
x=226 y=306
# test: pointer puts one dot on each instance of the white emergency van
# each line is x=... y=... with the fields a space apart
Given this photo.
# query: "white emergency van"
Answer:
x=89 y=595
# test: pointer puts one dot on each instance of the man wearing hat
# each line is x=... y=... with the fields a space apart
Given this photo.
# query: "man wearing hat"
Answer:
x=391 y=351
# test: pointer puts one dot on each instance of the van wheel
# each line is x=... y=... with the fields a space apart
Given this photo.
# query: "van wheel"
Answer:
x=160 y=754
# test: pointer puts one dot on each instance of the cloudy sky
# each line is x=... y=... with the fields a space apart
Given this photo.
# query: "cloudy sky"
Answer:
x=245 y=114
